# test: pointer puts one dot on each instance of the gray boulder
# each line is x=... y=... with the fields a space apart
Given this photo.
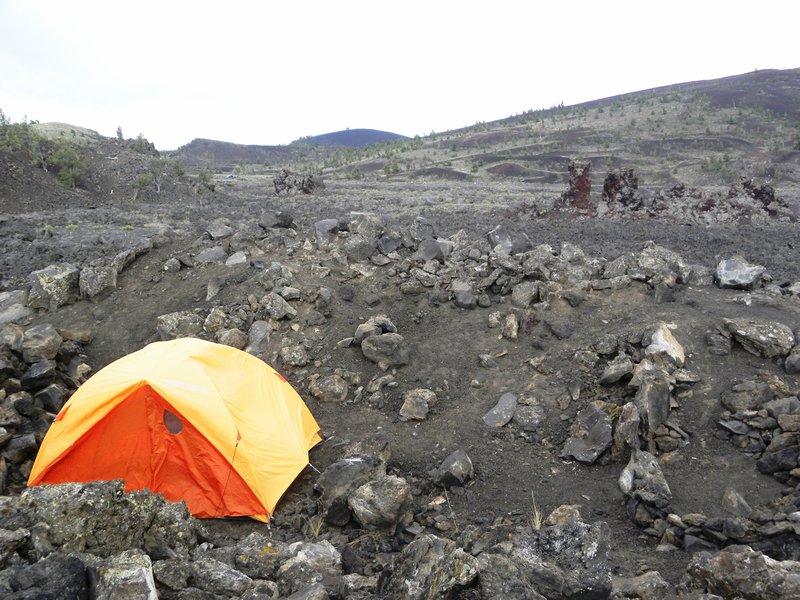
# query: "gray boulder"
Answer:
x=381 y=503
x=341 y=478
x=258 y=338
x=500 y=239
x=184 y=323
x=620 y=366
x=101 y=519
x=416 y=404
x=96 y=282
x=375 y=325
x=311 y=564
x=40 y=342
x=325 y=232
x=54 y=576
x=741 y=572
x=386 y=350
x=525 y=293
x=217 y=577
x=502 y=412
x=211 y=255
x=737 y=273
x=653 y=399
x=126 y=575
x=762 y=338
x=642 y=482
x=647 y=586
x=53 y=286
x=13 y=307
x=329 y=388
x=463 y=294
x=276 y=307
x=589 y=434
x=219 y=231
x=456 y=469
x=430 y=568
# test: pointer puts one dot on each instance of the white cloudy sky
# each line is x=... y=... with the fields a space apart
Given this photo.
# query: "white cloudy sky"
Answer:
x=270 y=72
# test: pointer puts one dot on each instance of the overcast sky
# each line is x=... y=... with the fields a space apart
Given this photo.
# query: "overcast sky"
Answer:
x=271 y=72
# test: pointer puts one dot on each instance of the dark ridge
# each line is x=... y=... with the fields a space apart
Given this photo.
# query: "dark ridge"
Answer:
x=350 y=138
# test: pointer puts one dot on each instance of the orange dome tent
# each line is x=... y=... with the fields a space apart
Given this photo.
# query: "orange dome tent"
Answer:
x=189 y=419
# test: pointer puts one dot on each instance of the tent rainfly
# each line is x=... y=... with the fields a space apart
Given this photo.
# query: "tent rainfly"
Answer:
x=189 y=419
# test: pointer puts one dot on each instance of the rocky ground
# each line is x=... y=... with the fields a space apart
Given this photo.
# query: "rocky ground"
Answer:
x=523 y=395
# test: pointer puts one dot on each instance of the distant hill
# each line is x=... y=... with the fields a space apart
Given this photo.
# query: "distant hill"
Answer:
x=73 y=133
x=351 y=138
x=225 y=155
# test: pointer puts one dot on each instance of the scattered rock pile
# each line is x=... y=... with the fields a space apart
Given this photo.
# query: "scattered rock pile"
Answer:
x=40 y=367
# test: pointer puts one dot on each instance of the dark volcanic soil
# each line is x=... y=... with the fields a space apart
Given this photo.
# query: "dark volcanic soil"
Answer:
x=445 y=341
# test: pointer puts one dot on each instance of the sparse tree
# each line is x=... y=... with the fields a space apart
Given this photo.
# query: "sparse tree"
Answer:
x=120 y=138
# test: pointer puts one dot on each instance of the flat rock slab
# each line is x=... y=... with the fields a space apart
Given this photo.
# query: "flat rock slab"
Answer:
x=502 y=412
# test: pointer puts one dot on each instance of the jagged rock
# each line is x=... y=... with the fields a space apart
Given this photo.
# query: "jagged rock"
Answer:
x=40 y=374
x=420 y=229
x=642 y=481
x=528 y=417
x=430 y=568
x=101 y=519
x=51 y=398
x=792 y=363
x=126 y=575
x=737 y=273
x=647 y=586
x=358 y=249
x=463 y=294
x=294 y=356
x=96 y=282
x=179 y=324
x=456 y=469
x=217 y=577
x=762 y=338
x=54 y=576
x=258 y=338
x=219 y=231
x=340 y=479
x=172 y=265
x=662 y=342
x=40 y=342
x=622 y=185
x=589 y=434
x=237 y=258
x=653 y=399
x=747 y=395
x=329 y=388
x=53 y=286
x=735 y=504
x=502 y=412
x=276 y=219
x=215 y=285
x=211 y=255
x=626 y=432
x=381 y=503
x=741 y=572
x=13 y=307
x=578 y=193
x=433 y=249
x=387 y=350
x=416 y=404
x=325 y=232
x=566 y=561
x=314 y=591
x=500 y=240
x=235 y=338
x=781 y=455
x=503 y=578
x=174 y=573
x=276 y=307
x=375 y=325
x=215 y=321
x=525 y=293
x=509 y=327
x=616 y=369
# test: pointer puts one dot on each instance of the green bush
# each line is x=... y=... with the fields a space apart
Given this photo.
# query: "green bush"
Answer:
x=66 y=164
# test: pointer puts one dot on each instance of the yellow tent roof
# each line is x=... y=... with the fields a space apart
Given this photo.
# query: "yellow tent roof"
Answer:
x=193 y=420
